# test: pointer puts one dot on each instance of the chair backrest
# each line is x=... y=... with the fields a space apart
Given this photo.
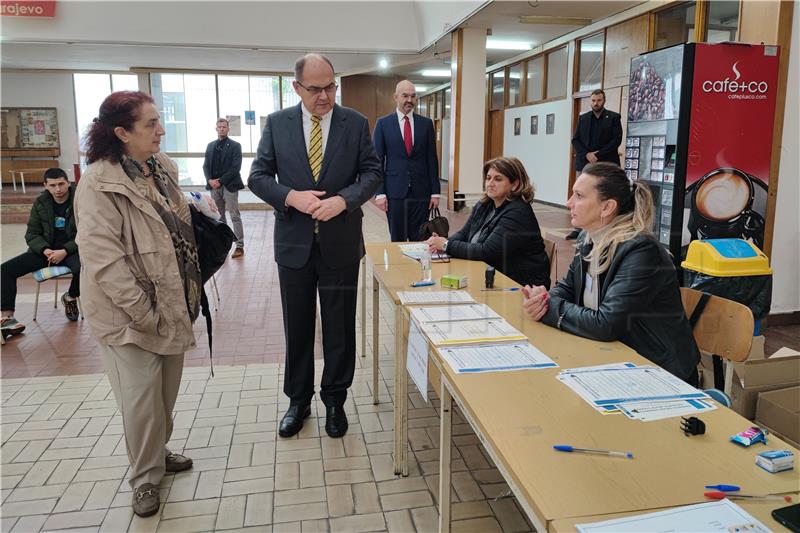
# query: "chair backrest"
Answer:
x=552 y=256
x=725 y=328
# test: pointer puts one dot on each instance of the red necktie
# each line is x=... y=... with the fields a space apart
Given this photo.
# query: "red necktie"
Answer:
x=407 y=134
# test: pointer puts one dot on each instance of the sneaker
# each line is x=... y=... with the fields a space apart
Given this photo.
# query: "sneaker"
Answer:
x=146 y=500
x=238 y=252
x=572 y=235
x=176 y=462
x=70 y=308
x=10 y=327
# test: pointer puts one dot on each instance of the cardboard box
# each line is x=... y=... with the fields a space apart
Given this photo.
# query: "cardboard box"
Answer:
x=780 y=409
x=707 y=365
x=755 y=376
x=454 y=282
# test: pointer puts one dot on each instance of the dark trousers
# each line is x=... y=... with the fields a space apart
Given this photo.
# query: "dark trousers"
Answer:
x=405 y=216
x=27 y=263
x=338 y=291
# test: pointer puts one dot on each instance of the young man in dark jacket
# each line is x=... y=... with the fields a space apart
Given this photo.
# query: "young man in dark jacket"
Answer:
x=51 y=241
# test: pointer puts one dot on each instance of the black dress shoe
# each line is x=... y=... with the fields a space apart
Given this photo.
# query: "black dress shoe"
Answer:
x=335 y=421
x=572 y=235
x=292 y=421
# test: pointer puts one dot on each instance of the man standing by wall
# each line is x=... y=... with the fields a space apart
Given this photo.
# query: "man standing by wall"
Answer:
x=406 y=145
x=597 y=138
x=222 y=168
x=326 y=169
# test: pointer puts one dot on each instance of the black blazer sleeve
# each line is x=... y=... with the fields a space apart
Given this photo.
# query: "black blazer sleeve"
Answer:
x=491 y=249
x=462 y=235
x=207 y=160
x=610 y=148
x=380 y=150
x=370 y=173
x=262 y=173
x=577 y=142
x=629 y=292
x=433 y=162
x=233 y=172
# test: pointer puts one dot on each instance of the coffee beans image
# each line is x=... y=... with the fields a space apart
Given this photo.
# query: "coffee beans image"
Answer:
x=646 y=100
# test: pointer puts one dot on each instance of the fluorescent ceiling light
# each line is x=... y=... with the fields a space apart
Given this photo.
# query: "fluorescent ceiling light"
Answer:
x=383 y=63
x=492 y=44
x=436 y=73
x=421 y=88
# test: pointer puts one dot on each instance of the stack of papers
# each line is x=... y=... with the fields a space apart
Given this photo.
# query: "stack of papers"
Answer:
x=451 y=313
x=414 y=251
x=435 y=297
x=640 y=392
x=490 y=331
x=501 y=357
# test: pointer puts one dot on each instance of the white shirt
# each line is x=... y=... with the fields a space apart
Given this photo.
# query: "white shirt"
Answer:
x=325 y=124
x=401 y=120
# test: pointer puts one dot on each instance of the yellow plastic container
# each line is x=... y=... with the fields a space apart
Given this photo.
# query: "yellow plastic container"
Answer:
x=726 y=258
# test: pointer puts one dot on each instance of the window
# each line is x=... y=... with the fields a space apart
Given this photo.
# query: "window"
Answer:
x=674 y=25
x=514 y=84
x=90 y=91
x=498 y=82
x=289 y=98
x=722 y=21
x=557 y=73
x=590 y=62
x=535 y=75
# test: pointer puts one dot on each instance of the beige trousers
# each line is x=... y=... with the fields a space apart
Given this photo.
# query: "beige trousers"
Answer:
x=145 y=385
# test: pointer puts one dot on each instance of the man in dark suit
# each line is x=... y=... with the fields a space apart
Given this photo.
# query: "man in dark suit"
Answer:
x=222 y=167
x=326 y=169
x=406 y=145
x=597 y=138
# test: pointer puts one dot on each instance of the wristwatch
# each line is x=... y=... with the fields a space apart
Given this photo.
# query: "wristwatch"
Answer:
x=444 y=246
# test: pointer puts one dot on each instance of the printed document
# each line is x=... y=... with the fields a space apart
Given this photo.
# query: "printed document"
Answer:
x=471 y=332
x=417 y=360
x=435 y=297
x=450 y=313
x=518 y=356
x=658 y=410
x=722 y=515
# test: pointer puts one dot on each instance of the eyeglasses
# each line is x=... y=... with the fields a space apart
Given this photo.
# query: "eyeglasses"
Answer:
x=316 y=90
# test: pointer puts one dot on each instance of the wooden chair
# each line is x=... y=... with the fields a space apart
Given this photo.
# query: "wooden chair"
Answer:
x=552 y=255
x=723 y=328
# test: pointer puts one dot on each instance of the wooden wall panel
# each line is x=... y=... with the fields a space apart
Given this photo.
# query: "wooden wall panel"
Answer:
x=623 y=42
x=369 y=95
x=758 y=22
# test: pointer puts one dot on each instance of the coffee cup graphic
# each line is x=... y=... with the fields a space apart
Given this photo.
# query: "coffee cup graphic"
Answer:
x=727 y=202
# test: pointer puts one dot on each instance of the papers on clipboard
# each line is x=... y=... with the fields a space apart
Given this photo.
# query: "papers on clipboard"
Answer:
x=450 y=313
x=490 y=331
x=722 y=515
x=640 y=392
x=435 y=297
x=496 y=358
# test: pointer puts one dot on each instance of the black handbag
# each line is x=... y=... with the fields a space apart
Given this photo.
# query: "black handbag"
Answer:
x=436 y=224
x=214 y=240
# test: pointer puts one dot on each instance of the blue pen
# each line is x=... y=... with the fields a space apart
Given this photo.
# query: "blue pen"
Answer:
x=510 y=289
x=724 y=488
x=568 y=448
x=423 y=283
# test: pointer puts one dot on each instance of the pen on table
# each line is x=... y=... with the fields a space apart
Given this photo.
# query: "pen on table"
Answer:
x=422 y=283
x=724 y=488
x=500 y=289
x=720 y=495
x=568 y=448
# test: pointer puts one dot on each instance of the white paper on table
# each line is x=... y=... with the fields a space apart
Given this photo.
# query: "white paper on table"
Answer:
x=658 y=410
x=722 y=515
x=496 y=358
x=450 y=313
x=612 y=386
x=471 y=332
x=435 y=297
x=417 y=359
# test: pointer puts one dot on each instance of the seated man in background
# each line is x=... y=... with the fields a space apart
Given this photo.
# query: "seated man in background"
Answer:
x=51 y=241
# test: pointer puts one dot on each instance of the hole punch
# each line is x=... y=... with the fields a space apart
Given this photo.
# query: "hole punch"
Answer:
x=692 y=426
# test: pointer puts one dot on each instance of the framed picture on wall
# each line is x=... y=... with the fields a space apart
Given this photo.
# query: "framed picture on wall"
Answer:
x=517 y=126
x=534 y=124
x=550 y=127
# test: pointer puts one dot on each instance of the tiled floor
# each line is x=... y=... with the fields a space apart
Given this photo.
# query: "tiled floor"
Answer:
x=63 y=458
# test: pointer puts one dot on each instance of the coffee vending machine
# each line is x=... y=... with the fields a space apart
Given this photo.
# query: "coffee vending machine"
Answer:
x=700 y=121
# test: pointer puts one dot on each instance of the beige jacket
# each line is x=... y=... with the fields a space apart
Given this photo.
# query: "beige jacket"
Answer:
x=131 y=290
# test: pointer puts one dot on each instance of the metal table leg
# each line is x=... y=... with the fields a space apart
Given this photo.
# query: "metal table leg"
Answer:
x=445 y=450
x=376 y=349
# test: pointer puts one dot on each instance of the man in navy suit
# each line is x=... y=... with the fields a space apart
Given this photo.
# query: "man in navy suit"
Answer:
x=222 y=167
x=406 y=145
x=316 y=167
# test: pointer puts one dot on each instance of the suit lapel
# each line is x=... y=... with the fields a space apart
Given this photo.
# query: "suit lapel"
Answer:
x=335 y=135
x=298 y=139
x=418 y=133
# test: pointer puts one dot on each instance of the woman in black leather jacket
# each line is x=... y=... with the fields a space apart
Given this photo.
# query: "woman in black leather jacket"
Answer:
x=621 y=284
x=502 y=229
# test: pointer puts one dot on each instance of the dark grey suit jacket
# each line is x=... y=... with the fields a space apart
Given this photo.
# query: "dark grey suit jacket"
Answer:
x=350 y=169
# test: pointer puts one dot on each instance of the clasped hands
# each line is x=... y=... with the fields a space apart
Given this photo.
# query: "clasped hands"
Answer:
x=54 y=257
x=535 y=301
x=309 y=202
x=435 y=243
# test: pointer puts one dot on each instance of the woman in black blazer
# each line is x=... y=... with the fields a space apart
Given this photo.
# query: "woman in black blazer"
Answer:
x=502 y=229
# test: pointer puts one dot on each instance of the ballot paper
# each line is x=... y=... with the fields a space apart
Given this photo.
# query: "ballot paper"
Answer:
x=722 y=515
x=658 y=410
x=417 y=359
x=435 y=297
x=489 y=331
x=495 y=358
x=415 y=250
x=603 y=386
x=450 y=313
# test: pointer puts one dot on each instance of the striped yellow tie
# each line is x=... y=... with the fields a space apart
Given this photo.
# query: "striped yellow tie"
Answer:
x=315 y=148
